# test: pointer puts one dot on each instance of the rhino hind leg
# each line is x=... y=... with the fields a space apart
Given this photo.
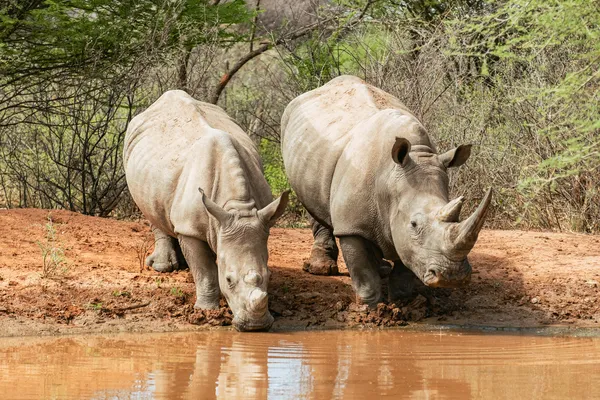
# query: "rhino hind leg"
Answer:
x=364 y=261
x=166 y=256
x=202 y=263
x=324 y=252
x=402 y=283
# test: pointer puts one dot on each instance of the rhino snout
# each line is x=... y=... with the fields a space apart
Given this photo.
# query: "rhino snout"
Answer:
x=448 y=277
x=255 y=316
x=246 y=325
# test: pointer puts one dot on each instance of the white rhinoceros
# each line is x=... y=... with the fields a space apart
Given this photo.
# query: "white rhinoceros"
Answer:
x=197 y=177
x=366 y=170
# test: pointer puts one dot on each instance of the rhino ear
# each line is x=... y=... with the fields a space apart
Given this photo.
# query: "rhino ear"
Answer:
x=400 y=151
x=214 y=209
x=273 y=211
x=456 y=157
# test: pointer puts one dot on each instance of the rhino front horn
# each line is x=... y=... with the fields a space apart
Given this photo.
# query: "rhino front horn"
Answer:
x=259 y=301
x=469 y=229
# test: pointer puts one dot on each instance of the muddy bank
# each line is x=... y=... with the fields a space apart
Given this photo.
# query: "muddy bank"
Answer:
x=521 y=279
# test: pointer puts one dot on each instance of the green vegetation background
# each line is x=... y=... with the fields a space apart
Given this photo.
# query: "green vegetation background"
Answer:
x=519 y=79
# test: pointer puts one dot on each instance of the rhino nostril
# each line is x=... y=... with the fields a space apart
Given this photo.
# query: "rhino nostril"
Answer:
x=432 y=277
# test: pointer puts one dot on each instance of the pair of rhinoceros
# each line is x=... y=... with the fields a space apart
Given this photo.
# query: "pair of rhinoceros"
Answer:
x=359 y=161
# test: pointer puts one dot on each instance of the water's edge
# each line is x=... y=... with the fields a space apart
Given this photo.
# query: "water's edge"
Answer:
x=544 y=331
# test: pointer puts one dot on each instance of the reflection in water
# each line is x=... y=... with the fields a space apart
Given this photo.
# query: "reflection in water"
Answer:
x=305 y=365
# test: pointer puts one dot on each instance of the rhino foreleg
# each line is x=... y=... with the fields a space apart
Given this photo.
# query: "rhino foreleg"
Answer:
x=166 y=256
x=363 y=260
x=203 y=266
x=324 y=253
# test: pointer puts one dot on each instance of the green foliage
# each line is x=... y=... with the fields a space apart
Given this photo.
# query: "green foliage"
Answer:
x=273 y=166
x=53 y=252
x=105 y=36
x=553 y=49
x=275 y=175
x=317 y=61
x=175 y=291
x=517 y=78
x=95 y=306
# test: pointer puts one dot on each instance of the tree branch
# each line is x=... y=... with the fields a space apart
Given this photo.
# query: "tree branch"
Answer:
x=266 y=46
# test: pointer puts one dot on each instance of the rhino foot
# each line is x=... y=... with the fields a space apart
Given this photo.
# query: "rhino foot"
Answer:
x=320 y=263
x=204 y=304
x=163 y=263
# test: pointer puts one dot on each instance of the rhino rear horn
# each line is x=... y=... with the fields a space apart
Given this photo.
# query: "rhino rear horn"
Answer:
x=469 y=229
x=451 y=211
x=214 y=209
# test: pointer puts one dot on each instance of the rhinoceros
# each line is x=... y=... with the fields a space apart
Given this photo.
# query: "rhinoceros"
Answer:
x=197 y=177
x=368 y=173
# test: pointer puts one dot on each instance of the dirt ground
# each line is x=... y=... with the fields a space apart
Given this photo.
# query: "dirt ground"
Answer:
x=520 y=279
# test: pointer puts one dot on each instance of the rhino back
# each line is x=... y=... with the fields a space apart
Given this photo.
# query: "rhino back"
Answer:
x=179 y=144
x=316 y=128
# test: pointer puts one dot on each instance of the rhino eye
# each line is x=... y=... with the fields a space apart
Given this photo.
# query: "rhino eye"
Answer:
x=413 y=224
x=229 y=281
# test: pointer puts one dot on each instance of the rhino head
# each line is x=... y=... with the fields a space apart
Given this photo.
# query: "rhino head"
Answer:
x=425 y=227
x=242 y=257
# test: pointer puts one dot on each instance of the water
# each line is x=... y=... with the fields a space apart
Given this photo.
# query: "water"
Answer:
x=301 y=365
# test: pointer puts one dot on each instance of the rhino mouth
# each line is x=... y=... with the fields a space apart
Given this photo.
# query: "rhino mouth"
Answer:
x=254 y=325
x=434 y=277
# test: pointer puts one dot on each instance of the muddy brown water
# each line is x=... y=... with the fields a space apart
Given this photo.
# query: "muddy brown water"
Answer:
x=300 y=365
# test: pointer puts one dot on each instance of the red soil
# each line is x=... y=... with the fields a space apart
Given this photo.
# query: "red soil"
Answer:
x=521 y=279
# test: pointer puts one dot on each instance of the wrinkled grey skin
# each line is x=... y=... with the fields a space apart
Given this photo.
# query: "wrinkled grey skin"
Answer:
x=366 y=170
x=197 y=177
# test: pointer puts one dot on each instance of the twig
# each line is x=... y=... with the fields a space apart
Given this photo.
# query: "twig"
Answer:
x=253 y=34
x=134 y=307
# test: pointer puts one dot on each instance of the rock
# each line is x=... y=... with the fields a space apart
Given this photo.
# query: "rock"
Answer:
x=535 y=300
x=287 y=313
x=592 y=283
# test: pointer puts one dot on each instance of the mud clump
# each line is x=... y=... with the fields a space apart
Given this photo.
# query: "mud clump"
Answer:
x=220 y=317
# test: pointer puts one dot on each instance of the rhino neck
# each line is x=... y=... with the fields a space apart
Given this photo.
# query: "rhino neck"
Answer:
x=231 y=188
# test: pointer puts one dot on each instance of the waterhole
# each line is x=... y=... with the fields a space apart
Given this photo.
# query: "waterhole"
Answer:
x=300 y=365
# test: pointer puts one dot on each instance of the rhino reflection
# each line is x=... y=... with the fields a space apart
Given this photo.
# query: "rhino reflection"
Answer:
x=243 y=372
x=224 y=367
x=302 y=365
x=359 y=365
